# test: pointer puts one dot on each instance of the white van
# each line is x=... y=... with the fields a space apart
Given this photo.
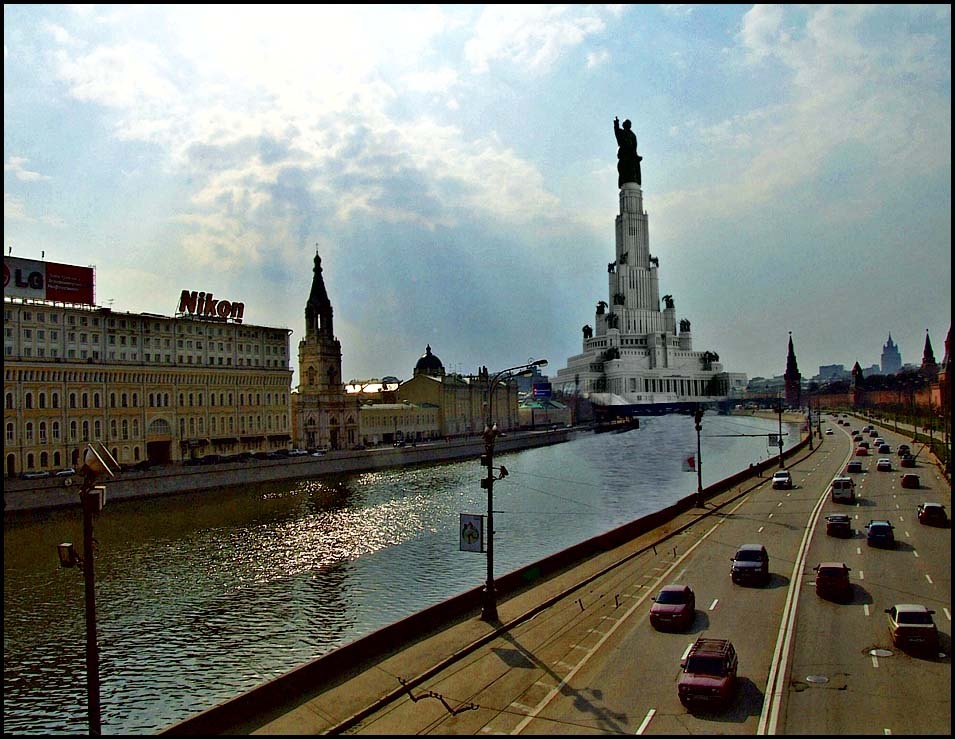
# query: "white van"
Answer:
x=843 y=490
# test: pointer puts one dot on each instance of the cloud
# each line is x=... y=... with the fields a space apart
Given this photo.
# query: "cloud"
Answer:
x=13 y=209
x=16 y=166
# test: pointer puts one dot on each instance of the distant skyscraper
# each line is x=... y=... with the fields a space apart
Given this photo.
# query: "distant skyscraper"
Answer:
x=792 y=378
x=891 y=358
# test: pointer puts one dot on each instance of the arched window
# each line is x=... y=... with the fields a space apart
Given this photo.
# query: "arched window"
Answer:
x=125 y=429
x=42 y=399
x=10 y=434
x=55 y=428
x=56 y=400
x=28 y=400
x=86 y=400
x=96 y=400
x=29 y=432
x=9 y=401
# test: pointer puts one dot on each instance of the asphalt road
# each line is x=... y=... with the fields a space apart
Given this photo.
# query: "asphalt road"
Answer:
x=592 y=663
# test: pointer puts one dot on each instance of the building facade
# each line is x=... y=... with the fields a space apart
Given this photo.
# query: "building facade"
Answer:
x=891 y=357
x=325 y=416
x=149 y=387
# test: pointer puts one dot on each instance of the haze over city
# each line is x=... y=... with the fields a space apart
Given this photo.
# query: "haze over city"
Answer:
x=456 y=168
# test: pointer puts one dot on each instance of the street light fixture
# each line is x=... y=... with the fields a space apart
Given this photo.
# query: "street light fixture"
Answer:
x=92 y=498
x=489 y=600
x=698 y=418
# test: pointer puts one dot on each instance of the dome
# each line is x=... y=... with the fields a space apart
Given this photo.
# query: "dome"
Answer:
x=429 y=364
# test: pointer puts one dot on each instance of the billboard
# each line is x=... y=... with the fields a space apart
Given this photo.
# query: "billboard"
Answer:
x=36 y=280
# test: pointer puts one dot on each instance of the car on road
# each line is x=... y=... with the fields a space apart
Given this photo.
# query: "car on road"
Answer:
x=38 y=475
x=674 y=608
x=907 y=461
x=298 y=452
x=873 y=434
x=854 y=466
x=879 y=441
x=861 y=451
x=842 y=490
x=885 y=449
x=904 y=449
x=884 y=464
x=864 y=444
x=912 y=627
x=879 y=533
x=910 y=480
x=782 y=480
x=838 y=524
x=832 y=581
x=829 y=432
x=750 y=564
x=932 y=514
x=709 y=674
x=65 y=472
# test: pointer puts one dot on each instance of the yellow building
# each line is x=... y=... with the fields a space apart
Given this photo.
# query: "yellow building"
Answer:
x=147 y=386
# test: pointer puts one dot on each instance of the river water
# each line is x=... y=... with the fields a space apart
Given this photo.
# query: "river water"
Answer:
x=203 y=596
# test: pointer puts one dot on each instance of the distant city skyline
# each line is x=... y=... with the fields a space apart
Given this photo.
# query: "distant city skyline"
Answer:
x=456 y=167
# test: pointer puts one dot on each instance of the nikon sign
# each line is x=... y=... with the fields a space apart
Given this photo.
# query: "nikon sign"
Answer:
x=204 y=305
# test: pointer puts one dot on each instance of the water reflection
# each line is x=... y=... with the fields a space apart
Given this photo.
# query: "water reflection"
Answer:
x=202 y=596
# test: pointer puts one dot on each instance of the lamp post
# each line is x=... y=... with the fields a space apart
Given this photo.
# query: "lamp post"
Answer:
x=779 y=412
x=92 y=498
x=489 y=600
x=698 y=419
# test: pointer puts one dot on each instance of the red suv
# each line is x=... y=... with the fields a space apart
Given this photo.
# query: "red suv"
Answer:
x=709 y=673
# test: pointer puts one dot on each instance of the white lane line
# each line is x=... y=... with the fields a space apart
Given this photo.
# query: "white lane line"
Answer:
x=646 y=721
x=915 y=552
x=760 y=529
x=865 y=608
x=861 y=575
x=713 y=605
x=929 y=578
x=875 y=661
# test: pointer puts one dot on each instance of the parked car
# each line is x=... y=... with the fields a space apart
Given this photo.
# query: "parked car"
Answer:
x=932 y=514
x=910 y=480
x=709 y=674
x=854 y=466
x=879 y=534
x=842 y=490
x=674 y=607
x=298 y=453
x=66 y=472
x=36 y=475
x=832 y=581
x=838 y=524
x=782 y=480
x=884 y=464
x=750 y=564
x=912 y=627
x=907 y=461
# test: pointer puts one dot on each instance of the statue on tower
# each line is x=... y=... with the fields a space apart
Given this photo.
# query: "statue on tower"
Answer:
x=628 y=161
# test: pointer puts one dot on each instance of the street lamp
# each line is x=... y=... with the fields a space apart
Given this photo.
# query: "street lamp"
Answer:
x=92 y=498
x=698 y=418
x=489 y=600
x=779 y=412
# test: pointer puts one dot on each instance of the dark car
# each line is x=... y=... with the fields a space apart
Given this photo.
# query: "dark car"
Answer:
x=911 y=627
x=674 y=608
x=885 y=449
x=879 y=534
x=832 y=581
x=750 y=564
x=838 y=524
x=903 y=449
x=709 y=674
x=907 y=460
x=854 y=466
x=884 y=464
x=932 y=514
x=910 y=480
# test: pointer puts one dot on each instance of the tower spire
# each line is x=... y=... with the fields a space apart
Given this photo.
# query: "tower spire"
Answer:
x=318 y=309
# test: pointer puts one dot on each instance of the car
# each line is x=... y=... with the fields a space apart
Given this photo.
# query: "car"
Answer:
x=884 y=464
x=838 y=524
x=861 y=451
x=709 y=673
x=318 y=453
x=879 y=441
x=907 y=461
x=932 y=514
x=782 y=480
x=832 y=581
x=885 y=449
x=878 y=533
x=910 y=480
x=37 y=475
x=873 y=433
x=842 y=490
x=674 y=608
x=750 y=564
x=904 y=449
x=864 y=444
x=298 y=453
x=829 y=432
x=211 y=459
x=912 y=627
x=66 y=472
x=854 y=466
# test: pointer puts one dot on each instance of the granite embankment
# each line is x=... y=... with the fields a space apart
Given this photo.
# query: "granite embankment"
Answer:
x=26 y=495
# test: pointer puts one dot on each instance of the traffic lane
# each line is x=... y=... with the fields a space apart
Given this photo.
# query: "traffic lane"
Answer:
x=842 y=687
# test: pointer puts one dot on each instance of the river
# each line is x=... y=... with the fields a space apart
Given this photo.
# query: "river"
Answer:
x=202 y=596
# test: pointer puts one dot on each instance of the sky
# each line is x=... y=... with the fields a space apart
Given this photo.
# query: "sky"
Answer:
x=455 y=168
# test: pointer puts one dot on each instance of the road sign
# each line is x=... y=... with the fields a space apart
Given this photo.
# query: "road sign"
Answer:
x=471 y=532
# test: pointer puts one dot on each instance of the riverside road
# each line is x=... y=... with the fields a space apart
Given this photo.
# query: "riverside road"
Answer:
x=575 y=654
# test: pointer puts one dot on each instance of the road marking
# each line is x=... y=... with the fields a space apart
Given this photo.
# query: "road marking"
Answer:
x=861 y=575
x=760 y=529
x=713 y=605
x=865 y=608
x=686 y=651
x=913 y=551
x=779 y=504
x=770 y=515
x=858 y=550
x=929 y=578
x=875 y=661
x=948 y=614
x=646 y=721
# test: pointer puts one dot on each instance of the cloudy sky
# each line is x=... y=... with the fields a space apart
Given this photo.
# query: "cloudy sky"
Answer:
x=456 y=167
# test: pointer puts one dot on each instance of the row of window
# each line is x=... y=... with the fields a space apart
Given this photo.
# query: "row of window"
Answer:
x=155 y=400
x=41 y=336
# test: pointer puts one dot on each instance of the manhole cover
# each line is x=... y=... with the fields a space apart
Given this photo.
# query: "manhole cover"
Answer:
x=817 y=679
x=880 y=652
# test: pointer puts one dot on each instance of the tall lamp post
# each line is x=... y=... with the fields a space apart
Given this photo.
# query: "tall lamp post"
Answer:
x=779 y=412
x=698 y=419
x=92 y=498
x=489 y=601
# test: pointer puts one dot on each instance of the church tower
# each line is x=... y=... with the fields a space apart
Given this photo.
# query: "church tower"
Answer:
x=929 y=366
x=325 y=416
